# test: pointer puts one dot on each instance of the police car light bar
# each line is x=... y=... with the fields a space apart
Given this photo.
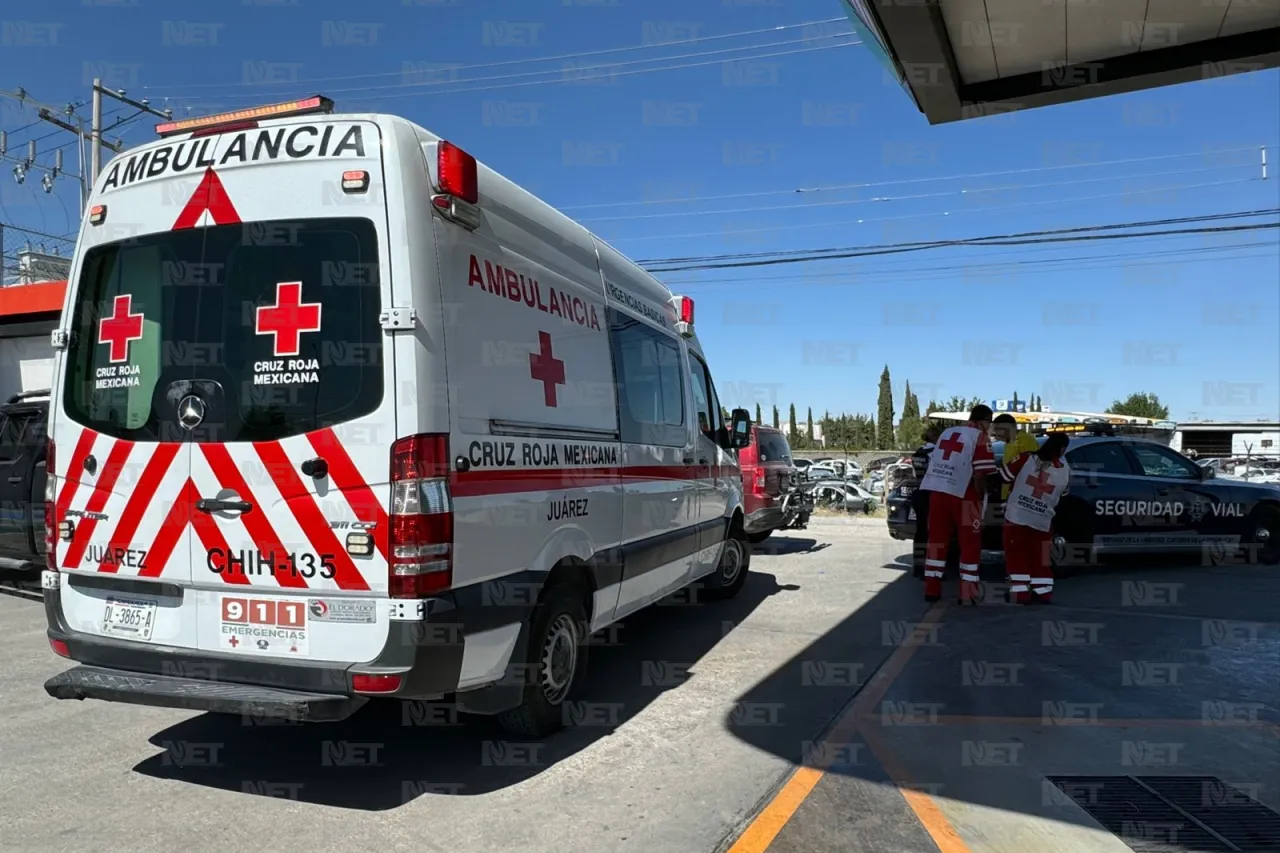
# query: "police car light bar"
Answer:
x=304 y=106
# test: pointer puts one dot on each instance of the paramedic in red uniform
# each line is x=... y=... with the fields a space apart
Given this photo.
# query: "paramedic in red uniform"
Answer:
x=1040 y=478
x=958 y=468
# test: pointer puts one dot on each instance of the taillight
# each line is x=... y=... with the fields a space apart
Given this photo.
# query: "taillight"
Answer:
x=50 y=523
x=59 y=648
x=363 y=682
x=758 y=482
x=421 y=517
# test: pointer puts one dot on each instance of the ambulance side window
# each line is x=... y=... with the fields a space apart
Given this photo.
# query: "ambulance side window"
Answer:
x=649 y=376
x=704 y=397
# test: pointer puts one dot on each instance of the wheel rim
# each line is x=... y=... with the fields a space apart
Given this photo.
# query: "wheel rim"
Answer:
x=1267 y=536
x=559 y=658
x=731 y=562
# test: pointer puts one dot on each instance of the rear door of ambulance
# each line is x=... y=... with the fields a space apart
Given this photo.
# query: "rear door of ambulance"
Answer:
x=271 y=397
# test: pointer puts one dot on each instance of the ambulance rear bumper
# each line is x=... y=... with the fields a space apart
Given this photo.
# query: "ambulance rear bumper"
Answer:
x=427 y=655
x=192 y=694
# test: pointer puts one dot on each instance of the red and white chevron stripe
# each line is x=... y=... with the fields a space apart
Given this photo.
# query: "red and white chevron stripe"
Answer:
x=143 y=495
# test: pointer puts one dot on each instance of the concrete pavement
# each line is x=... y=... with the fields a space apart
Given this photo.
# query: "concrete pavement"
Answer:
x=653 y=767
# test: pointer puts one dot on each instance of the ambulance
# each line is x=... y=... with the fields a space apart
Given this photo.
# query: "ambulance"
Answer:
x=340 y=414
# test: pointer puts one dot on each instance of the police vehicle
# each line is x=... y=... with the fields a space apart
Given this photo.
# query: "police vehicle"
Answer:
x=1132 y=495
x=340 y=413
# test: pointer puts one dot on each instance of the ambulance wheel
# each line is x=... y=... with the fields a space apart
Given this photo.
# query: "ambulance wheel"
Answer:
x=731 y=574
x=757 y=538
x=557 y=659
x=1264 y=533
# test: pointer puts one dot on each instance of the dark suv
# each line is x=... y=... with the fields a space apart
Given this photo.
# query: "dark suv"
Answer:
x=23 y=422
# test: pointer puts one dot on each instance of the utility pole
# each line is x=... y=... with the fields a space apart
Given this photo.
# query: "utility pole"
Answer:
x=96 y=139
x=96 y=128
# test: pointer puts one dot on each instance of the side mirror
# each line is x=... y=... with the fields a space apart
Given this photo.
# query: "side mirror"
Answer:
x=739 y=429
x=1207 y=473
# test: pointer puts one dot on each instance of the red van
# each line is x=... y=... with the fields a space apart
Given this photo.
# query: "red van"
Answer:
x=767 y=475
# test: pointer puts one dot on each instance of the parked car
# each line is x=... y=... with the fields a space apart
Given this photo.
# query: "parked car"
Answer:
x=839 y=469
x=770 y=485
x=23 y=425
x=844 y=496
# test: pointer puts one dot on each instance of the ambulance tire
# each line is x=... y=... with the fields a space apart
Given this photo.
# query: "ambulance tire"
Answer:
x=558 y=643
x=735 y=561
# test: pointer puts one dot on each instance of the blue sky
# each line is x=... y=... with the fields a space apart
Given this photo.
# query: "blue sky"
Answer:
x=701 y=160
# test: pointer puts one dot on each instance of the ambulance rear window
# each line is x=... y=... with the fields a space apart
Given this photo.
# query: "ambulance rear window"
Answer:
x=274 y=325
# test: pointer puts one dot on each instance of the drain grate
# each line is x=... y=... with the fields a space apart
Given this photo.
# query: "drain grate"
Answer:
x=1137 y=816
x=1230 y=812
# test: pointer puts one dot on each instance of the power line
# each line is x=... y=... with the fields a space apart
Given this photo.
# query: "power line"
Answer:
x=939 y=179
x=883 y=199
x=1206 y=217
x=905 y=273
x=878 y=220
x=557 y=58
x=1064 y=235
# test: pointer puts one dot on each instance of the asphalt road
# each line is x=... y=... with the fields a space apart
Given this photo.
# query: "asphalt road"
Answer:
x=668 y=756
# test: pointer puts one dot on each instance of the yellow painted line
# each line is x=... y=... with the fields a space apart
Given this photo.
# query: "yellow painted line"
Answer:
x=764 y=828
x=926 y=808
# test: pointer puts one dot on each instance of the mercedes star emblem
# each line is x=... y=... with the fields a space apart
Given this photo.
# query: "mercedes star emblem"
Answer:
x=190 y=411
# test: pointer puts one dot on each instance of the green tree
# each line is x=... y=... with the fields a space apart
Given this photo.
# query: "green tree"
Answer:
x=812 y=442
x=775 y=417
x=911 y=428
x=759 y=417
x=955 y=404
x=1140 y=404
x=910 y=404
x=884 y=412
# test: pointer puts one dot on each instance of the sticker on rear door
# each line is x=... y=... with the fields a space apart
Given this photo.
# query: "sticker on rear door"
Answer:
x=342 y=610
x=286 y=321
x=263 y=625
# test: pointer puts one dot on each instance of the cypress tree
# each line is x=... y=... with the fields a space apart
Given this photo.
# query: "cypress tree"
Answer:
x=885 y=413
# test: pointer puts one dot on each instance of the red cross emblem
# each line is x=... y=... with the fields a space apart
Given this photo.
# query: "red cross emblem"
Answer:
x=288 y=318
x=1040 y=485
x=546 y=368
x=234 y=642
x=120 y=328
x=951 y=445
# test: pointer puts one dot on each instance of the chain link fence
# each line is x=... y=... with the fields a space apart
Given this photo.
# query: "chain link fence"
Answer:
x=31 y=256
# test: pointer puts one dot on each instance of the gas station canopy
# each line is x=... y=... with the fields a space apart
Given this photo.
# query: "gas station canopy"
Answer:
x=961 y=59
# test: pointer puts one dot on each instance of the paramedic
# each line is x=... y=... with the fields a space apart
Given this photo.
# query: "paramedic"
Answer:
x=920 y=499
x=1005 y=428
x=958 y=468
x=1038 y=480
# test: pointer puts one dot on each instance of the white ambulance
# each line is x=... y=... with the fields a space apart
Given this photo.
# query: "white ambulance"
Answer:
x=341 y=414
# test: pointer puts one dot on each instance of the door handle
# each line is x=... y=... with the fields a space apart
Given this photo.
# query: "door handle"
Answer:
x=688 y=460
x=15 y=480
x=215 y=505
x=703 y=462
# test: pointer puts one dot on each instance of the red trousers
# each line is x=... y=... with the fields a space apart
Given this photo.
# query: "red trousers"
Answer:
x=952 y=516
x=1026 y=558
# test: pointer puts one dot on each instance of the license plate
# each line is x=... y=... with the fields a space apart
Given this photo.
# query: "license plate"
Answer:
x=911 y=515
x=129 y=618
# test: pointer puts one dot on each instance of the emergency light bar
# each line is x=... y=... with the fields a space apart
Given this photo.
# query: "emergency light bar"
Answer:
x=684 y=310
x=305 y=106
